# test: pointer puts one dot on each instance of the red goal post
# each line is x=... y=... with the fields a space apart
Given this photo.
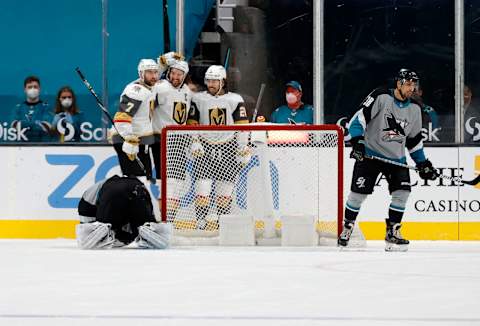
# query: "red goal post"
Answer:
x=251 y=169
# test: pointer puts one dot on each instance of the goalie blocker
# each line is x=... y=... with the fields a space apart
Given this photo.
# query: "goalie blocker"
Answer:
x=116 y=212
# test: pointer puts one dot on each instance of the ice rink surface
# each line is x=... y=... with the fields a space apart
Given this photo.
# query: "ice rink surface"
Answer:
x=51 y=282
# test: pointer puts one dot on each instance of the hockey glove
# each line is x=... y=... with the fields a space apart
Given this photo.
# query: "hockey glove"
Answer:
x=130 y=146
x=358 y=149
x=167 y=59
x=197 y=149
x=244 y=154
x=426 y=170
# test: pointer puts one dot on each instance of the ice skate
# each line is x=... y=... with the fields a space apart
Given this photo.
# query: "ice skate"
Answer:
x=394 y=240
x=344 y=237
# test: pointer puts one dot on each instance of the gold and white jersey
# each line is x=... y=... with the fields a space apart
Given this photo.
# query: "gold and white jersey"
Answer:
x=172 y=105
x=226 y=109
x=134 y=113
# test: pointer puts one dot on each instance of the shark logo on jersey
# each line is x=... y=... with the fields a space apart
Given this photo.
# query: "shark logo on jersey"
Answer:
x=395 y=129
x=217 y=116
x=179 y=112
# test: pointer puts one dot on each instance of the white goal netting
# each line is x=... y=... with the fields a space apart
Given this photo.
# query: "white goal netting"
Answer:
x=263 y=171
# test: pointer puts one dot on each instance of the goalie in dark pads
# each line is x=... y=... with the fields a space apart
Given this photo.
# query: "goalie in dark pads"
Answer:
x=116 y=212
x=386 y=123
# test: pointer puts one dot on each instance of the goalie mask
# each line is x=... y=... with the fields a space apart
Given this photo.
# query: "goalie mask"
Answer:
x=174 y=77
x=147 y=65
x=216 y=72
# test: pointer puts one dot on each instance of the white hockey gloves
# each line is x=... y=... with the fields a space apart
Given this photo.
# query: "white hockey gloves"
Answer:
x=130 y=146
x=197 y=149
x=153 y=235
x=95 y=235
x=244 y=154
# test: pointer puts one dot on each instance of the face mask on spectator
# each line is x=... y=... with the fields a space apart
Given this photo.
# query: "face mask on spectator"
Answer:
x=66 y=102
x=291 y=98
x=32 y=93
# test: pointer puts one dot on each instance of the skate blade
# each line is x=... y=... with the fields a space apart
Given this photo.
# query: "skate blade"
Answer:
x=395 y=247
x=352 y=246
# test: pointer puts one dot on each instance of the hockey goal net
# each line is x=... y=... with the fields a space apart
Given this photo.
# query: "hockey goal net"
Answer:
x=259 y=170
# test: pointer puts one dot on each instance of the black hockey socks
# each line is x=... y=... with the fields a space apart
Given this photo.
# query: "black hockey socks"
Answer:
x=394 y=216
x=350 y=214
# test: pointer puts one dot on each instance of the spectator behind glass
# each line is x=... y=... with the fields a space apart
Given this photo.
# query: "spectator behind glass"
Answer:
x=471 y=109
x=67 y=120
x=32 y=117
x=430 y=124
x=295 y=111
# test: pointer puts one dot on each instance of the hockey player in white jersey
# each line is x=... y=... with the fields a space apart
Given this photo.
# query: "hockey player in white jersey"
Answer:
x=172 y=99
x=133 y=121
x=217 y=106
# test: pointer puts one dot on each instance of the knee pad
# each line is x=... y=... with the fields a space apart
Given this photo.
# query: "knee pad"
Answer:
x=154 y=235
x=225 y=188
x=174 y=187
x=355 y=200
x=224 y=201
x=204 y=186
x=399 y=198
x=202 y=201
x=173 y=204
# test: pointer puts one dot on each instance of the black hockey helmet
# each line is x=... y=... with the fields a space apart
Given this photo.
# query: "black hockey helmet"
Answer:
x=407 y=74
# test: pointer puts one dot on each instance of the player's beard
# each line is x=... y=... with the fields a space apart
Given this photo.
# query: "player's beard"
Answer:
x=213 y=90
x=405 y=96
x=175 y=82
x=150 y=81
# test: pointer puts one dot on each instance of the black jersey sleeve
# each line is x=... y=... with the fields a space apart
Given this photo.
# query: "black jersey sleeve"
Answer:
x=240 y=114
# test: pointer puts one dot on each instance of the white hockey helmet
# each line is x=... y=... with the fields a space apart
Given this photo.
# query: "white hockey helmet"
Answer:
x=215 y=72
x=146 y=64
x=180 y=65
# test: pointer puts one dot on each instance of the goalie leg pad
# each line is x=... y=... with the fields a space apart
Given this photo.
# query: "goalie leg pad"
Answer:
x=154 y=235
x=95 y=235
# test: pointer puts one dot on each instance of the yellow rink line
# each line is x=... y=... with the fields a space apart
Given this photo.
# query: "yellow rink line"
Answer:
x=37 y=229
x=50 y=229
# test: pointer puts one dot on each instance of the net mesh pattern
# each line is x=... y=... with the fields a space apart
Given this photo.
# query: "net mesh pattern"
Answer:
x=259 y=173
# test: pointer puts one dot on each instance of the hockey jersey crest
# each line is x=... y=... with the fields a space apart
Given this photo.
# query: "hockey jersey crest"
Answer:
x=172 y=105
x=388 y=126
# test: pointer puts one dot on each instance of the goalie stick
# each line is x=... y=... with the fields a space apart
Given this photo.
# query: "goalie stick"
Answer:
x=105 y=111
x=473 y=182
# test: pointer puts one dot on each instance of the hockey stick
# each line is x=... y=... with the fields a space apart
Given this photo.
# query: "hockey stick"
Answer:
x=166 y=28
x=259 y=100
x=105 y=111
x=226 y=60
x=473 y=182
